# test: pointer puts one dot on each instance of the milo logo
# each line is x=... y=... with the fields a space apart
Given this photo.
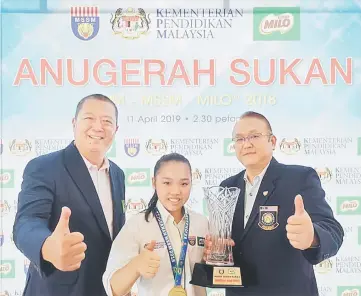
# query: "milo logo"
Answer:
x=349 y=291
x=273 y=23
x=138 y=177
x=228 y=147
x=276 y=23
x=7 y=269
x=7 y=178
x=349 y=205
x=353 y=292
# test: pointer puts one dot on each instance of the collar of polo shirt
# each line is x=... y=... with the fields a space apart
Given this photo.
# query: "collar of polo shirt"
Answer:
x=257 y=178
x=166 y=215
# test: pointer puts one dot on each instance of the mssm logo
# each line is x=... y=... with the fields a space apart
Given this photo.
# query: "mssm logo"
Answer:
x=85 y=22
x=276 y=23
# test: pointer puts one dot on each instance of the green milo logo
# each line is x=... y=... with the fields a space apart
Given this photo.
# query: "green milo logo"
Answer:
x=276 y=23
x=349 y=291
x=7 y=269
x=138 y=177
x=228 y=147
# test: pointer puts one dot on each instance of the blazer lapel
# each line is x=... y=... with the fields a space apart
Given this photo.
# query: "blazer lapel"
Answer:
x=238 y=221
x=117 y=194
x=80 y=174
x=264 y=194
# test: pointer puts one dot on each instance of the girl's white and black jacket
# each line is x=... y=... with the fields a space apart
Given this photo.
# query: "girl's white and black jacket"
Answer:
x=137 y=232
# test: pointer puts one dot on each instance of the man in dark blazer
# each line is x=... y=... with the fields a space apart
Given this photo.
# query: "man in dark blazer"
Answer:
x=282 y=224
x=71 y=207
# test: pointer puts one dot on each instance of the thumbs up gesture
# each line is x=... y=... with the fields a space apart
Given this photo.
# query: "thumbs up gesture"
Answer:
x=300 y=231
x=64 y=249
x=148 y=261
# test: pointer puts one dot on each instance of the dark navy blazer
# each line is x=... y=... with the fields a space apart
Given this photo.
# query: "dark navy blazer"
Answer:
x=50 y=182
x=270 y=265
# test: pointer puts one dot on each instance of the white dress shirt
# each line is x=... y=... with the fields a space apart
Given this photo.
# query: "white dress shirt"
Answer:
x=251 y=193
x=136 y=233
x=101 y=180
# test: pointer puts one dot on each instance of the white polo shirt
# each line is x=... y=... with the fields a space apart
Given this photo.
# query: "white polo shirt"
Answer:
x=251 y=193
x=101 y=181
x=137 y=232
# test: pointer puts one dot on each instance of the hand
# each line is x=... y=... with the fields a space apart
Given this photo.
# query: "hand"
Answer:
x=300 y=231
x=148 y=261
x=65 y=250
x=208 y=246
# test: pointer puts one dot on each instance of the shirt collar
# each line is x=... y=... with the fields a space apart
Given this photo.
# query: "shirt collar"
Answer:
x=105 y=165
x=258 y=177
x=166 y=215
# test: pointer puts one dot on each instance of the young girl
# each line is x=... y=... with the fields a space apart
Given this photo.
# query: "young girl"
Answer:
x=159 y=247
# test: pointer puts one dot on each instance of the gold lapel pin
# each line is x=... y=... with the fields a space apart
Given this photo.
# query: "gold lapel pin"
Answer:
x=265 y=193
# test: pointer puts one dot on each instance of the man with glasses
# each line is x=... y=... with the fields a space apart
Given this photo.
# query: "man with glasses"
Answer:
x=282 y=224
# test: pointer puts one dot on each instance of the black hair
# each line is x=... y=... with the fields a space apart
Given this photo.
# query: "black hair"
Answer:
x=258 y=116
x=98 y=97
x=164 y=159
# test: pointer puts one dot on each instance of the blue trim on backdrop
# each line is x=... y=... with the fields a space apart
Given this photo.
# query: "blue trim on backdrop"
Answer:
x=43 y=5
x=43 y=8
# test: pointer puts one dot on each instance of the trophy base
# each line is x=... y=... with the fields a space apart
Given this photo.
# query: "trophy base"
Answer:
x=219 y=263
x=211 y=276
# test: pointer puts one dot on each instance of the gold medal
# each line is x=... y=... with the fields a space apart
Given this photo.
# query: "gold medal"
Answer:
x=177 y=291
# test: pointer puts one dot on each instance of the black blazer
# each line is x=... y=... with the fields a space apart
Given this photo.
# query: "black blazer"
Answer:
x=50 y=182
x=269 y=264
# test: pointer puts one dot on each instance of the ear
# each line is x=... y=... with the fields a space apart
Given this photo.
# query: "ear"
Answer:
x=153 y=183
x=274 y=142
x=115 y=132
x=73 y=122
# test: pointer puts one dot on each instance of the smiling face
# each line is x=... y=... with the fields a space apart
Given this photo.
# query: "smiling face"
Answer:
x=94 y=129
x=254 y=142
x=173 y=185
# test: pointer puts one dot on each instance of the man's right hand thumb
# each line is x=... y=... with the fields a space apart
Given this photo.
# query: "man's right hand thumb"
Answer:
x=150 y=246
x=63 y=223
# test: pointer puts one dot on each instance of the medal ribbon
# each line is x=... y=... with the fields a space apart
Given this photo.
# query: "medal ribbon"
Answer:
x=176 y=268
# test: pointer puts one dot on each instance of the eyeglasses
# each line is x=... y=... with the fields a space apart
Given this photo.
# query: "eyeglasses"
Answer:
x=251 y=138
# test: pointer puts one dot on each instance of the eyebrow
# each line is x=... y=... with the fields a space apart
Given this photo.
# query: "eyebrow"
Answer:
x=250 y=132
x=183 y=179
x=89 y=113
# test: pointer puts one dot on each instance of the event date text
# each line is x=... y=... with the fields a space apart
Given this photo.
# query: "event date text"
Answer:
x=174 y=118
